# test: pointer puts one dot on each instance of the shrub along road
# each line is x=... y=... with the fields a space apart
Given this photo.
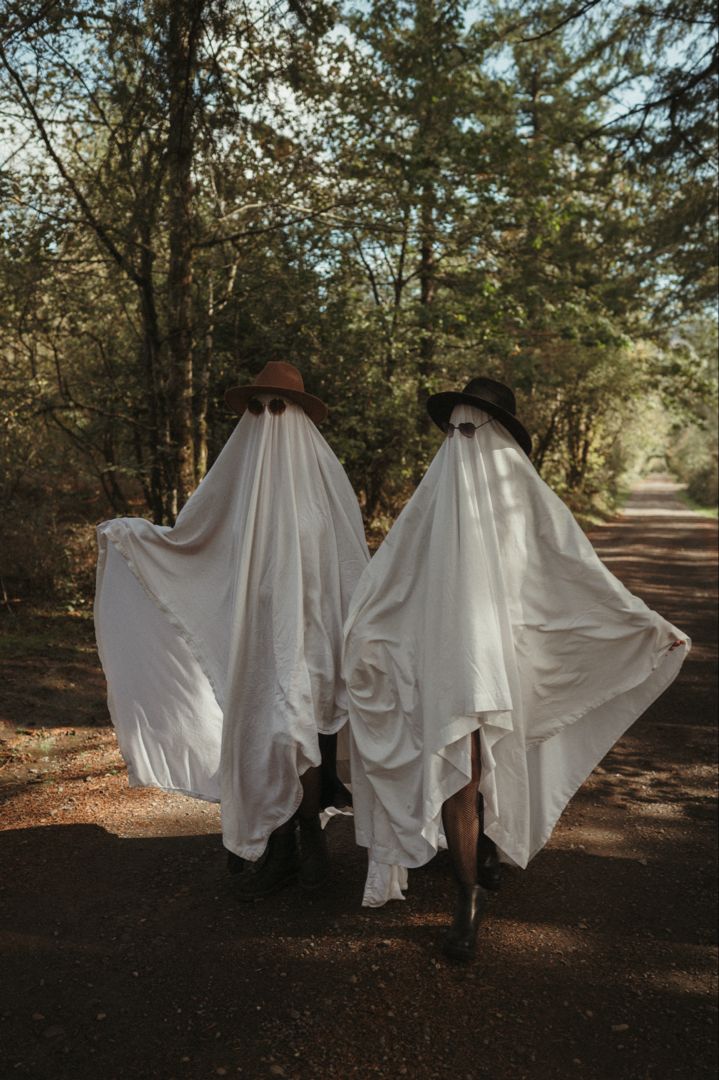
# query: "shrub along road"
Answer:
x=125 y=955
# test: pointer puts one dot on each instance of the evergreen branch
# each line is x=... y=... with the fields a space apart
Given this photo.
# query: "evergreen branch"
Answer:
x=570 y=17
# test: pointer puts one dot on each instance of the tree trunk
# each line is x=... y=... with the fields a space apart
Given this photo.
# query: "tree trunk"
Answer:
x=202 y=388
x=426 y=17
x=184 y=21
x=427 y=338
x=150 y=360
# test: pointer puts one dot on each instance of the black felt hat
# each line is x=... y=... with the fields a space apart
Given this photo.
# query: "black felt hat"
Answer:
x=494 y=397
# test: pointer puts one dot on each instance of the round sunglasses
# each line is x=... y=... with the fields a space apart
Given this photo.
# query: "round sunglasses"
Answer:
x=466 y=428
x=276 y=406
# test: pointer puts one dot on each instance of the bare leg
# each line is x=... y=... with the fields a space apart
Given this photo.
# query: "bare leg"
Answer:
x=462 y=827
x=461 y=815
x=474 y=855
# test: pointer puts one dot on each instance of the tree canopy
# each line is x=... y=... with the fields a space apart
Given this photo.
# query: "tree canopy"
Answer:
x=395 y=195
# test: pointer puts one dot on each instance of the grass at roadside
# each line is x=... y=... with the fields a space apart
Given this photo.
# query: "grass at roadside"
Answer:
x=602 y=510
x=705 y=511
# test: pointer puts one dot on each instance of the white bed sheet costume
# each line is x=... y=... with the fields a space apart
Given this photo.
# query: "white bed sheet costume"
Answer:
x=221 y=637
x=486 y=608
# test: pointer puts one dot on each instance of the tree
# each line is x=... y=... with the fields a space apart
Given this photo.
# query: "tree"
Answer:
x=134 y=113
x=395 y=196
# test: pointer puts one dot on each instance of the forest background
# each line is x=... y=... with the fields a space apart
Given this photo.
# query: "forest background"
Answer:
x=395 y=195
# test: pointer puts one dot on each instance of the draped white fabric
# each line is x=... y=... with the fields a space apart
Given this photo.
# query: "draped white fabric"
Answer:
x=487 y=608
x=221 y=637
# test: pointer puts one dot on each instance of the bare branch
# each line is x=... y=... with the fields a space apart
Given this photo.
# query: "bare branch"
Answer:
x=91 y=219
x=569 y=17
x=31 y=21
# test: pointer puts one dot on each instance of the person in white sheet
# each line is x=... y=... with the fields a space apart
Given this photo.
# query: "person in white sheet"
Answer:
x=221 y=637
x=491 y=661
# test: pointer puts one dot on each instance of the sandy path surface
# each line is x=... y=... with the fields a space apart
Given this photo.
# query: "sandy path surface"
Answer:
x=124 y=954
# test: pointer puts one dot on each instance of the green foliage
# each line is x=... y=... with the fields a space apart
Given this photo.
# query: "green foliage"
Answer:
x=393 y=195
x=689 y=374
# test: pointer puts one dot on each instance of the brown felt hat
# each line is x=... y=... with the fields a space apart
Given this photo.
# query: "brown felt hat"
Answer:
x=278 y=377
x=493 y=397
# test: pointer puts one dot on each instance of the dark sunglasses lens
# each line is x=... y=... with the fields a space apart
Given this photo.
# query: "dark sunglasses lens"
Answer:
x=277 y=406
x=467 y=430
x=255 y=406
x=448 y=429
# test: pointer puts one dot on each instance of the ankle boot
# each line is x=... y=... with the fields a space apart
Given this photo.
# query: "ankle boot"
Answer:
x=277 y=867
x=489 y=868
x=235 y=864
x=314 y=854
x=461 y=939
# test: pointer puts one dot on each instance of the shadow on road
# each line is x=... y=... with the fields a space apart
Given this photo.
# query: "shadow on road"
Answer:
x=130 y=958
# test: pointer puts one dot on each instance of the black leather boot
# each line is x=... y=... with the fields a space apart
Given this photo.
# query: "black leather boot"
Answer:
x=235 y=864
x=314 y=854
x=489 y=868
x=461 y=939
x=277 y=867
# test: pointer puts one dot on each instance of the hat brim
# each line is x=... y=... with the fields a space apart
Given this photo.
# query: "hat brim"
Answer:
x=440 y=407
x=238 y=396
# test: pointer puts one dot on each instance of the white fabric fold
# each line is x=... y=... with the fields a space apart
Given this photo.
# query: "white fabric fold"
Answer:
x=221 y=637
x=486 y=608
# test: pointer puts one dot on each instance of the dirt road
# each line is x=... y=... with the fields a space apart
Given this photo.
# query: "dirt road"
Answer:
x=125 y=956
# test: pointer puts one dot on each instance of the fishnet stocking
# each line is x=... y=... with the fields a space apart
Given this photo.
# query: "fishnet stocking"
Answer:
x=462 y=819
